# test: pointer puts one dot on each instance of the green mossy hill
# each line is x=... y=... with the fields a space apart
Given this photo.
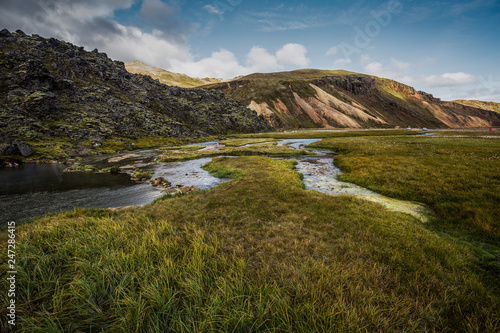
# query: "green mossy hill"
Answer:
x=51 y=88
x=311 y=98
x=166 y=77
x=492 y=106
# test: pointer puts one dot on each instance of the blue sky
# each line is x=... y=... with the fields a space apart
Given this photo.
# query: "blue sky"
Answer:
x=448 y=48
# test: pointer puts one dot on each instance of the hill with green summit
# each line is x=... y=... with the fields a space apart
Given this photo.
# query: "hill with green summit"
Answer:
x=311 y=98
x=491 y=106
x=167 y=77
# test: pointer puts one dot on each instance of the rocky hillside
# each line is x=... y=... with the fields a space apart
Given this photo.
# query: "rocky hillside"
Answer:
x=50 y=88
x=331 y=99
x=166 y=77
x=491 y=106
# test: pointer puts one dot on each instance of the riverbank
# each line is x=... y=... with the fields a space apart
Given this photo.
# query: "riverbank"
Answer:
x=257 y=253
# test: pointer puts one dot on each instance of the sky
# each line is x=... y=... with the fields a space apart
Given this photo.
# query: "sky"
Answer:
x=450 y=49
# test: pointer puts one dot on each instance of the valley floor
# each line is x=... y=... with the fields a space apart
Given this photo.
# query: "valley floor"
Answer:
x=260 y=253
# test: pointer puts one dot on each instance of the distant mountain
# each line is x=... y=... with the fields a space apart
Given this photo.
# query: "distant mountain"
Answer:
x=311 y=98
x=51 y=88
x=166 y=77
x=491 y=106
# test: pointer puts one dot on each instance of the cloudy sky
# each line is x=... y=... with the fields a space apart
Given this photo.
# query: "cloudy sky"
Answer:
x=448 y=48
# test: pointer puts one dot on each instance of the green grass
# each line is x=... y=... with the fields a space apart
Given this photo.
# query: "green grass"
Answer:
x=258 y=253
x=238 y=142
x=319 y=134
x=85 y=168
x=457 y=177
x=50 y=149
x=142 y=175
x=262 y=149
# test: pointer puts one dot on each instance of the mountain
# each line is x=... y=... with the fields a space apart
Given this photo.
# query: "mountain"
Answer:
x=491 y=106
x=166 y=77
x=53 y=89
x=311 y=98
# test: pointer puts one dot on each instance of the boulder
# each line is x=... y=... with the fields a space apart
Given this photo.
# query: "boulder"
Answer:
x=160 y=182
x=24 y=148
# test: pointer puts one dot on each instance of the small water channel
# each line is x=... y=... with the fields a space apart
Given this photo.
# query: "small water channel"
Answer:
x=320 y=174
x=35 y=190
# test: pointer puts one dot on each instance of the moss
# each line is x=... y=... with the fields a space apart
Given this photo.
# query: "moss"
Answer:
x=140 y=175
x=83 y=168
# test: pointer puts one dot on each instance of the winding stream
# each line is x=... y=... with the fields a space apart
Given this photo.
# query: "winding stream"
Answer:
x=35 y=190
x=320 y=174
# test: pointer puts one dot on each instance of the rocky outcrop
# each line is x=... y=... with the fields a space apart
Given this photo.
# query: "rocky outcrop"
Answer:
x=51 y=88
x=8 y=147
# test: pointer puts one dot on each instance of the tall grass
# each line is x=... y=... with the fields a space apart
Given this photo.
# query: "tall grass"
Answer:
x=258 y=253
x=458 y=177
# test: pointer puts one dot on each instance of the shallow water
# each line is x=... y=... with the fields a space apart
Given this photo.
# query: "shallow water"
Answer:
x=35 y=190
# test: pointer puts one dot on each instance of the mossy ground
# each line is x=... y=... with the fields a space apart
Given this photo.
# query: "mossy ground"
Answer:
x=51 y=149
x=235 y=148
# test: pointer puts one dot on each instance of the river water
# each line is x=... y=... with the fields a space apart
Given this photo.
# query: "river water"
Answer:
x=31 y=191
x=34 y=190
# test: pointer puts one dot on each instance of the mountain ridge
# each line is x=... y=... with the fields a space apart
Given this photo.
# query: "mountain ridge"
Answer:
x=311 y=98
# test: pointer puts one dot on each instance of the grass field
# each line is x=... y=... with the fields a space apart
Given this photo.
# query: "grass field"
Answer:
x=457 y=177
x=261 y=254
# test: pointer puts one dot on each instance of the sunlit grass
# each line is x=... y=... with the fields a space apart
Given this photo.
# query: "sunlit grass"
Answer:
x=319 y=134
x=258 y=253
x=244 y=141
x=457 y=177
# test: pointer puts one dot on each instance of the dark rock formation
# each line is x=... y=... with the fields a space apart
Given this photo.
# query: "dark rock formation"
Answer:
x=51 y=88
x=7 y=147
x=24 y=148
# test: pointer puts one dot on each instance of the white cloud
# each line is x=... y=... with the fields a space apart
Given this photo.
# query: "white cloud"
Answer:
x=292 y=54
x=400 y=71
x=224 y=64
x=259 y=60
x=212 y=9
x=341 y=62
x=396 y=69
x=151 y=48
x=365 y=59
x=375 y=68
x=448 y=79
x=221 y=64
x=332 y=51
x=400 y=66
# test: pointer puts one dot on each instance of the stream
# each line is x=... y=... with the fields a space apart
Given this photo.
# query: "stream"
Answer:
x=31 y=191
x=320 y=174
